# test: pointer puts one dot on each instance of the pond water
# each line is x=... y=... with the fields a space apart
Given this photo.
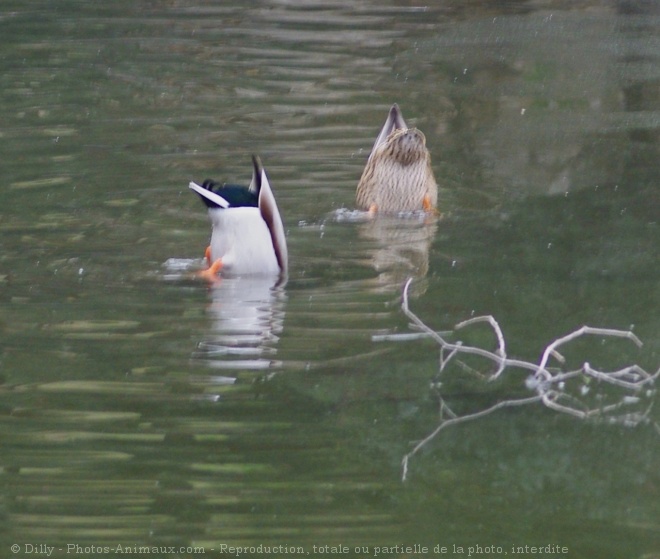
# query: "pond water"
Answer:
x=140 y=407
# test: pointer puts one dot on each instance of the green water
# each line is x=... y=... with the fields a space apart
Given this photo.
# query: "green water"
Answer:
x=141 y=408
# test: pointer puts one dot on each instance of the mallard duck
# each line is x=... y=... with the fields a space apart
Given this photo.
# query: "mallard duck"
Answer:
x=248 y=235
x=398 y=175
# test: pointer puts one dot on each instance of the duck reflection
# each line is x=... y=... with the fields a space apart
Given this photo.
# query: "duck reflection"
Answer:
x=247 y=319
x=400 y=247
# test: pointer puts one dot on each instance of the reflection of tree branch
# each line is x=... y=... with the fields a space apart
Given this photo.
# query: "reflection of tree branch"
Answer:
x=461 y=419
x=549 y=384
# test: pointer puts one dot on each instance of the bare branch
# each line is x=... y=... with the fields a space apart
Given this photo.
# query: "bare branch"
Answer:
x=551 y=385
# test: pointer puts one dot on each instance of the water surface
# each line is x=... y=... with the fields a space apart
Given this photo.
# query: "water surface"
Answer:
x=140 y=407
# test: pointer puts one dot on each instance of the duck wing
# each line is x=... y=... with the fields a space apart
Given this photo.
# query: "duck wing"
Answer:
x=270 y=212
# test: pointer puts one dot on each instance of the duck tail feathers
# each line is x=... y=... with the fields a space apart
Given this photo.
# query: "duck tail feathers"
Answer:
x=394 y=121
x=209 y=196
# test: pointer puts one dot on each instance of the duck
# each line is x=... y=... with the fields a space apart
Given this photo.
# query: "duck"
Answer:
x=247 y=235
x=398 y=176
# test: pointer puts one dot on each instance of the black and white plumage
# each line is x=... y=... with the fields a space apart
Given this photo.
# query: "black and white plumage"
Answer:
x=248 y=234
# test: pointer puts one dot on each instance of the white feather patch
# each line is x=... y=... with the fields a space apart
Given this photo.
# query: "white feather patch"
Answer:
x=209 y=195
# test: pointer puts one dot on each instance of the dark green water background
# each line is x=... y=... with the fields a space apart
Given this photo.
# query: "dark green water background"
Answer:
x=140 y=408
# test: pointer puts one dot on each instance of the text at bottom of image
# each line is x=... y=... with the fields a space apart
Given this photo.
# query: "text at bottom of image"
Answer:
x=225 y=550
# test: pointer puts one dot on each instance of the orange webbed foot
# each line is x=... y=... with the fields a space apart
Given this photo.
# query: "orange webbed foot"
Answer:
x=427 y=206
x=211 y=273
x=373 y=210
x=207 y=255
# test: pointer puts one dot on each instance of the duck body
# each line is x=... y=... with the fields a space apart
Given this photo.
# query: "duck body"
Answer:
x=242 y=241
x=398 y=176
x=247 y=235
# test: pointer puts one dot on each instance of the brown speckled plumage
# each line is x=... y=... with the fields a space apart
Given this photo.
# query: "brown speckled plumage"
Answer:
x=398 y=175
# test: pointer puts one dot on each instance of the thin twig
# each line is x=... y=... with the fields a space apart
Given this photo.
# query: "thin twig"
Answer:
x=548 y=383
